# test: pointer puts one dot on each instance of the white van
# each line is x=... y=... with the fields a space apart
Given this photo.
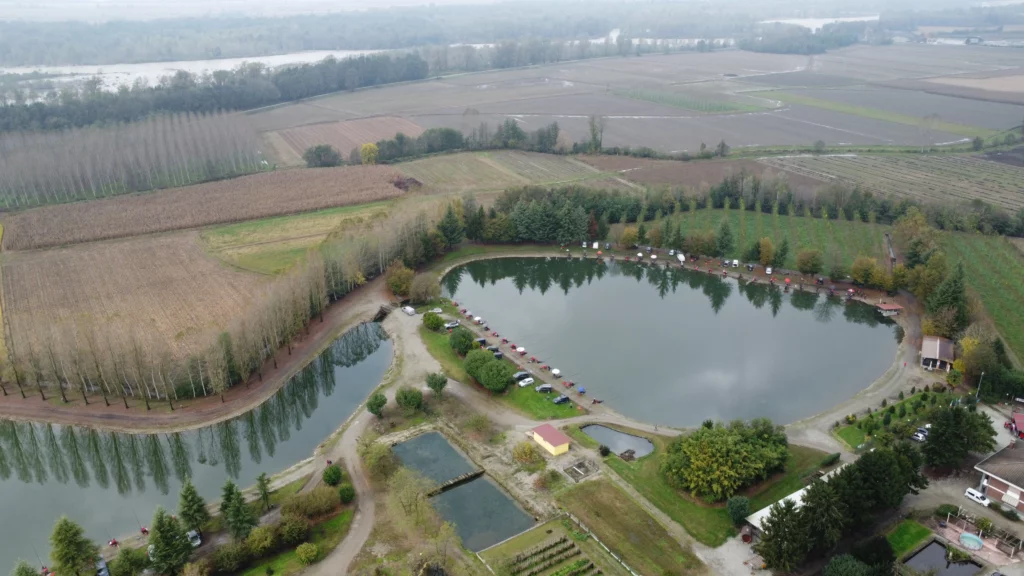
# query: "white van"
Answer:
x=978 y=497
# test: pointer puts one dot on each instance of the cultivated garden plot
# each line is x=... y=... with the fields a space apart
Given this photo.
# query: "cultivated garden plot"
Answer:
x=926 y=178
x=155 y=289
x=250 y=197
x=346 y=135
x=556 y=547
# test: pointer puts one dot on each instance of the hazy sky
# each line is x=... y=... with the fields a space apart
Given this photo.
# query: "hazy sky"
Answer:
x=101 y=10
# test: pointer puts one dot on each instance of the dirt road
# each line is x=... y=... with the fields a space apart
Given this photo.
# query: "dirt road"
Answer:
x=359 y=306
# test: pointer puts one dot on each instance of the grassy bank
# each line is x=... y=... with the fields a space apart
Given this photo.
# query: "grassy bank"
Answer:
x=536 y=405
x=906 y=536
x=628 y=529
x=326 y=535
x=439 y=347
x=708 y=523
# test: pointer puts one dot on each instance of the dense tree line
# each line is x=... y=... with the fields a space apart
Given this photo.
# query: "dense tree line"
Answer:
x=507 y=136
x=249 y=86
x=163 y=151
x=877 y=482
x=784 y=39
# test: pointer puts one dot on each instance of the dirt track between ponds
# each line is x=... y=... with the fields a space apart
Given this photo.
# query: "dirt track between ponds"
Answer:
x=359 y=306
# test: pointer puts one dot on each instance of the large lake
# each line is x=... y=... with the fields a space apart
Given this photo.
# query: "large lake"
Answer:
x=677 y=347
x=105 y=481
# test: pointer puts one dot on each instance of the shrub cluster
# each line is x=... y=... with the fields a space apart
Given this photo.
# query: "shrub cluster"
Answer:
x=320 y=501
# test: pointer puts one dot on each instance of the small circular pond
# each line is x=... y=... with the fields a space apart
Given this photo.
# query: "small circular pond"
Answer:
x=678 y=347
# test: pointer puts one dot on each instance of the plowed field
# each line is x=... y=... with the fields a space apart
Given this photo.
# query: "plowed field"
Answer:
x=344 y=136
x=246 y=198
x=496 y=170
x=160 y=288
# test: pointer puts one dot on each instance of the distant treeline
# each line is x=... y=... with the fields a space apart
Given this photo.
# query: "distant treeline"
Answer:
x=507 y=135
x=247 y=87
x=116 y=41
x=783 y=39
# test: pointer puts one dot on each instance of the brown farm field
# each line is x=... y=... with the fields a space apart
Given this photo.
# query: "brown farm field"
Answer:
x=246 y=198
x=343 y=136
x=497 y=170
x=695 y=175
x=928 y=178
x=161 y=288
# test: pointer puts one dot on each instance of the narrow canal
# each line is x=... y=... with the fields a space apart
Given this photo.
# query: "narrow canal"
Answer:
x=677 y=347
x=109 y=482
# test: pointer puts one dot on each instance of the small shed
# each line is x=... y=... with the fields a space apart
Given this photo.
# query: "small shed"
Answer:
x=889 y=310
x=551 y=439
x=937 y=353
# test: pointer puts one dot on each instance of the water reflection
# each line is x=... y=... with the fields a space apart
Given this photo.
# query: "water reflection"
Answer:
x=109 y=478
x=678 y=346
x=46 y=452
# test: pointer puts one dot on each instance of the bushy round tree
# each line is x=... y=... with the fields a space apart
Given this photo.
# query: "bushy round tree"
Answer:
x=347 y=493
x=332 y=475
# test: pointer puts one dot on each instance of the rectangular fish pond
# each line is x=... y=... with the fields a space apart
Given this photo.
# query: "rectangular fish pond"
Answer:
x=933 y=557
x=619 y=442
x=482 y=512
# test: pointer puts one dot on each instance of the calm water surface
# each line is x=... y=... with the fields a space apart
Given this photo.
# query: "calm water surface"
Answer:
x=483 y=514
x=933 y=557
x=678 y=347
x=106 y=480
x=619 y=442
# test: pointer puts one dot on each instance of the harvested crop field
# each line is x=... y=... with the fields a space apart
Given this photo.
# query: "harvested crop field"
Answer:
x=496 y=170
x=160 y=288
x=695 y=175
x=246 y=198
x=1013 y=84
x=343 y=136
x=928 y=178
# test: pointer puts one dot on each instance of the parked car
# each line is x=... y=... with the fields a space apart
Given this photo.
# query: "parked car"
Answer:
x=584 y=245
x=101 y=567
x=607 y=245
x=750 y=267
x=923 y=431
x=735 y=263
x=976 y=496
x=436 y=310
x=525 y=382
x=561 y=399
x=498 y=355
x=521 y=374
x=671 y=252
x=194 y=539
x=918 y=437
x=409 y=310
x=543 y=388
x=492 y=348
x=452 y=325
x=768 y=270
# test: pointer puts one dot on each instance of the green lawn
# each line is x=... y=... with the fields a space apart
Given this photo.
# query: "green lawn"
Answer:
x=536 y=405
x=852 y=435
x=876 y=114
x=628 y=529
x=441 y=350
x=707 y=523
x=907 y=536
x=846 y=239
x=327 y=535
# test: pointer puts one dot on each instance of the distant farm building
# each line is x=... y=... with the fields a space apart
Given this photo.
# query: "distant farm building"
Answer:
x=551 y=439
x=937 y=353
x=797 y=497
